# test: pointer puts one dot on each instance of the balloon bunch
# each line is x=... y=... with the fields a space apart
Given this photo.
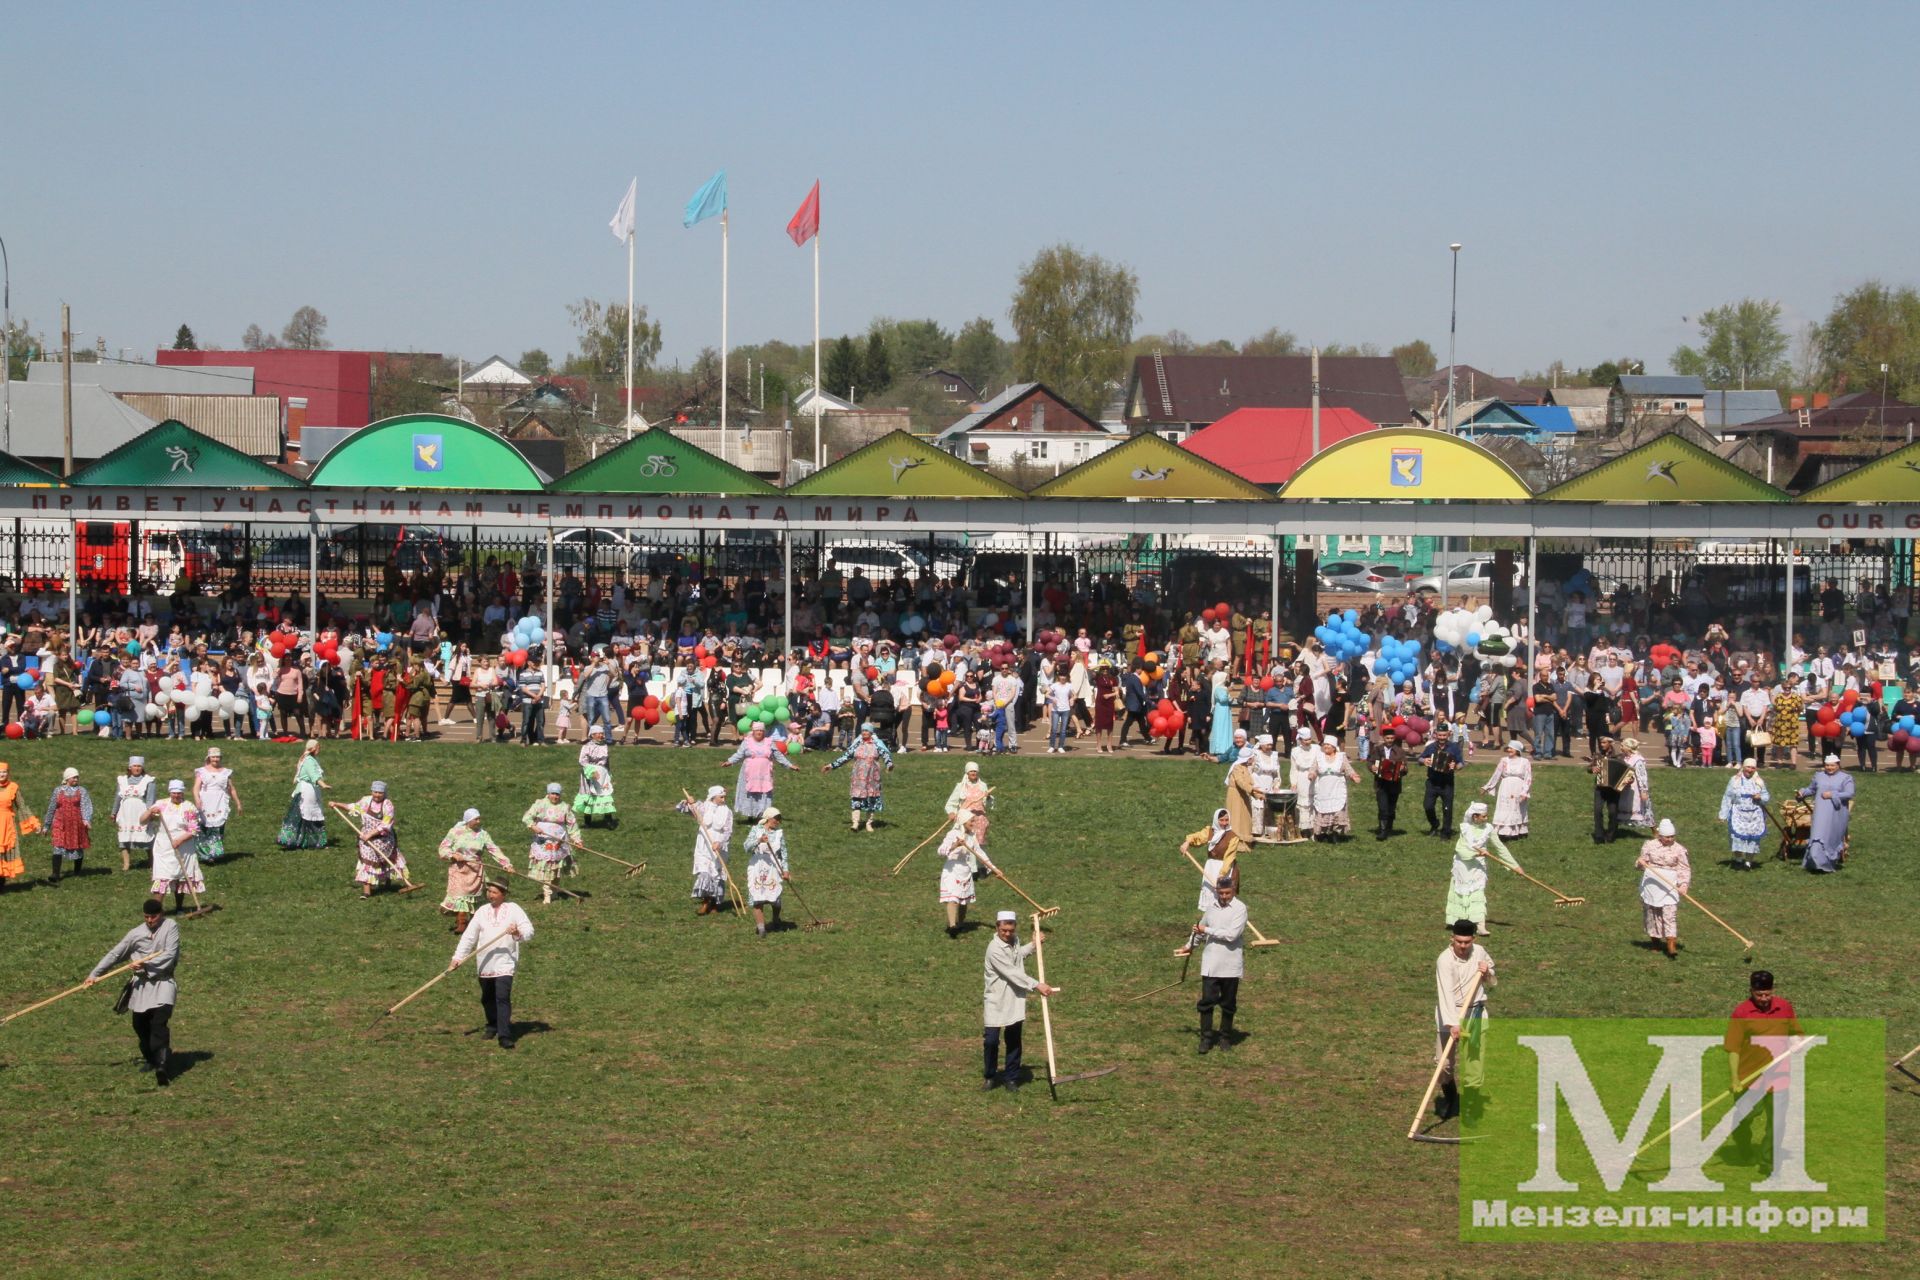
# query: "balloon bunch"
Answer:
x=1399 y=660
x=27 y=679
x=1221 y=613
x=1905 y=735
x=1663 y=655
x=1342 y=637
x=706 y=660
x=648 y=711
x=174 y=691
x=328 y=650
x=1848 y=716
x=281 y=643
x=1152 y=672
x=939 y=682
x=1475 y=630
x=1410 y=731
x=1166 y=720
x=769 y=710
x=526 y=633
x=1048 y=643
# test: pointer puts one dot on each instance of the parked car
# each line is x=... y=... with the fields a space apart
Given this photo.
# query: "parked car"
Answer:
x=885 y=561
x=290 y=552
x=1357 y=575
x=1468 y=578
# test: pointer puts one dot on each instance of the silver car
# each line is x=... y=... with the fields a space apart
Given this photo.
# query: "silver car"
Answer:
x=1357 y=575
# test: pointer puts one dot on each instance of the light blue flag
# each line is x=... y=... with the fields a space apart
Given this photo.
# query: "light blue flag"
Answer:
x=708 y=200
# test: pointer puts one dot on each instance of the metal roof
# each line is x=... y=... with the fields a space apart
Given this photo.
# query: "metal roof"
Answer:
x=985 y=411
x=154 y=379
x=101 y=421
x=250 y=424
x=1735 y=408
x=1548 y=417
x=1642 y=384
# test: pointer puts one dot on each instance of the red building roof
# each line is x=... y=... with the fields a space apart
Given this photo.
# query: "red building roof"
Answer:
x=1267 y=446
x=337 y=385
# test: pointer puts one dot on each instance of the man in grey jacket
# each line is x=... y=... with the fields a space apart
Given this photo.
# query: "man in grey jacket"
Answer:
x=154 y=948
x=1006 y=999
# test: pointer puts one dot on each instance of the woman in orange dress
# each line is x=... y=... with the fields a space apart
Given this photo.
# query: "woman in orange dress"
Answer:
x=10 y=863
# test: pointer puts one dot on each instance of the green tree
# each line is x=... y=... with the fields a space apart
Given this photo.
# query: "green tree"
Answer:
x=1416 y=359
x=914 y=346
x=535 y=363
x=876 y=367
x=1073 y=317
x=980 y=355
x=306 y=331
x=841 y=369
x=183 y=340
x=1741 y=344
x=411 y=384
x=1349 y=349
x=22 y=347
x=603 y=338
x=1274 y=342
x=1870 y=326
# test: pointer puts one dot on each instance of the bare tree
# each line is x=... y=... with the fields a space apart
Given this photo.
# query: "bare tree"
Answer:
x=307 y=331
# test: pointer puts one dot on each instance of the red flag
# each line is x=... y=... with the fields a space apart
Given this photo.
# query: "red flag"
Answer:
x=805 y=224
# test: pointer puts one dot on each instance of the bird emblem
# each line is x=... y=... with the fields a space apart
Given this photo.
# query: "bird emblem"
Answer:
x=1659 y=470
x=1911 y=465
x=429 y=456
x=1157 y=473
x=1407 y=467
x=903 y=465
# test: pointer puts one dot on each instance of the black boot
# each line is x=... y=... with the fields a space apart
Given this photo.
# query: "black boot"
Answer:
x=1226 y=1031
x=1448 y=1105
x=1206 y=1032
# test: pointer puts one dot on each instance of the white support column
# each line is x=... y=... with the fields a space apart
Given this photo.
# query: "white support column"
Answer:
x=1786 y=646
x=549 y=645
x=1533 y=605
x=1029 y=631
x=786 y=592
x=73 y=585
x=313 y=575
x=1273 y=593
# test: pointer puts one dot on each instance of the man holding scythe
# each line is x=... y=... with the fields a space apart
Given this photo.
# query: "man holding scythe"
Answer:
x=1005 y=1000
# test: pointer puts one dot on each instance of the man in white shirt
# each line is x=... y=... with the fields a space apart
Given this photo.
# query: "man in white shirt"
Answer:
x=496 y=930
x=1223 y=930
x=1004 y=1004
x=1453 y=976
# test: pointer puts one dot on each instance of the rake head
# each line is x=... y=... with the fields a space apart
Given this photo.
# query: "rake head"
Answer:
x=1569 y=902
x=1048 y=912
x=638 y=869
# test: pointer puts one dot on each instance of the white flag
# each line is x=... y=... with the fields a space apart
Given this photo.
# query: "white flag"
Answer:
x=622 y=224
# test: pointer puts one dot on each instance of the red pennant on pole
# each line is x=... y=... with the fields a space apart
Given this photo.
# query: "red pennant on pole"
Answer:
x=805 y=223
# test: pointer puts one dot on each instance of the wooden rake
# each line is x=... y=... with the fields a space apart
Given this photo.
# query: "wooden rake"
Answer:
x=544 y=883
x=1744 y=940
x=1440 y=1064
x=1043 y=911
x=1559 y=899
x=1054 y=1078
x=1186 y=961
x=346 y=815
x=1900 y=1064
x=1805 y=1043
x=429 y=984
x=633 y=868
x=1259 y=939
x=111 y=973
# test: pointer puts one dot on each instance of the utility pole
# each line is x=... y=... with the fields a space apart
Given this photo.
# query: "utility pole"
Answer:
x=66 y=385
x=1453 y=328
x=1316 y=404
x=6 y=345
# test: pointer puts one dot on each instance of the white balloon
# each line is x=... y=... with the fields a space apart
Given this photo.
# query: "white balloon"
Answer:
x=151 y=711
x=162 y=699
x=208 y=702
x=228 y=702
x=1484 y=612
x=193 y=713
x=167 y=683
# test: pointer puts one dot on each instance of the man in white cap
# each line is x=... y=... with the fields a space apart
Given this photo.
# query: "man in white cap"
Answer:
x=1831 y=794
x=1265 y=767
x=133 y=796
x=1223 y=930
x=1005 y=1002
x=1467 y=891
x=463 y=850
x=767 y=871
x=1665 y=874
x=496 y=930
x=556 y=833
x=713 y=836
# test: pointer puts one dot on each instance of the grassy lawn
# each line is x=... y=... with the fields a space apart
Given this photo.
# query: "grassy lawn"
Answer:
x=689 y=1100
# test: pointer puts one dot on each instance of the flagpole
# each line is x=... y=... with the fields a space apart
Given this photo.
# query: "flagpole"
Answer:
x=630 y=335
x=816 y=350
x=723 y=335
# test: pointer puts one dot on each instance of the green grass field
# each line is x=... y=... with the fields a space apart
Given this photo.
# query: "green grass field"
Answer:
x=689 y=1100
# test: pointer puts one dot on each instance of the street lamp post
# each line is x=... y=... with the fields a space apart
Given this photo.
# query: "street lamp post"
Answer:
x=1453 y=326
x=6 y=345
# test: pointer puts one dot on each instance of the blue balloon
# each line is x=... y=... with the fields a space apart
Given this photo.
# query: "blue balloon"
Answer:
x=1857 y=730
x=1473 y=639
x=23 y=681
x=1351 y=615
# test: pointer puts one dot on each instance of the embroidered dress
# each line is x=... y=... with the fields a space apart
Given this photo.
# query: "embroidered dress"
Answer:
x=961 y=858
x=970 y=795
x=766 y=863
x=305 y=826
x=380 y=860
x=555 y=831
x=463 y=850
x=711 y=840
x=753 y=792
x=176 y=861
x=1329 y=782
x=1789 y=709
x=10 y=863
x=132 y=797
x=216 y=807
x=868 y=756
x=1467 y=894
x=69 y=815
x=1510 y=785
x=1740 y=809
x=595 y=799
x=1636 y=802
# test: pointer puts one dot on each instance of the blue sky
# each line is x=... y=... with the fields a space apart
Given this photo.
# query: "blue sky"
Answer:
x=439 y=177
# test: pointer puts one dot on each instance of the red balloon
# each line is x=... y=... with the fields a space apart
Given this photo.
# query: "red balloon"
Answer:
x=707 y=663
x=518 y=658
x=651 y=703
x=700 y=651
x=639 y=713
x=1207 y=614
x=1827 y=715
x=652 y=715
x=1266 y=682
x=1898 y=742
x=15 y=731
x=1222 y=611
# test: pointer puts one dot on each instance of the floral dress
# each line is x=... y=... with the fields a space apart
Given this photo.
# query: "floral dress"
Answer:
x=1789 y=710
x=305 y=826
x=766 y=863
x=10 y=863
x=380 y=858
x=216 y=806
x=462 y=851
x=868 y=756
x=753 y=792
x=555 y=832
x=595 y=798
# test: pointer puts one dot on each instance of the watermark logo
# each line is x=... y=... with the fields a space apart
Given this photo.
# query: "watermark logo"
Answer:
x=1670 y=1129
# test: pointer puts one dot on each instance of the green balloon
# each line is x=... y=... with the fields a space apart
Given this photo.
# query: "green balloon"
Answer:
x=771 y=701
x=782 y=710
x=764 y=716
x=794 y=746
x=746 y=725
x=85 y=718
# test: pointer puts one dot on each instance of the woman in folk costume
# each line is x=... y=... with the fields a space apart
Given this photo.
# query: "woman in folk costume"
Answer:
x=70 y=822
x=1830 y=795
x=1329 y=778
x=1510 y=785
x=1220 y=735
x=766 y=847
x=961 y=859
x=12 y=828
x=380 y=860
x=555 y=834
x=305 y=826
x=1666 y=873
x=462 y=850
x=869 y=755
x=1742 y=808
x=969 y=801
x=712 y=837
x=133 y=795
x=1301 y=762
x=594 y=802
x=214 y=795
x=176 y=859
x=755 y=755
x=1224 y=847
x=1467 y=893
x=1636 y=798
x=1265 y=766
x=1240 y=789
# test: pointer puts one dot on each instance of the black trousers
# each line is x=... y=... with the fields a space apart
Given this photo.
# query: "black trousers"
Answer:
x=990 y=1051
x=1606 y=814
x=496 y=1001
x=1222 y=994
x=1386 y=799
x=1439 y=793
x=151 y=1026
x=1133 y=718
